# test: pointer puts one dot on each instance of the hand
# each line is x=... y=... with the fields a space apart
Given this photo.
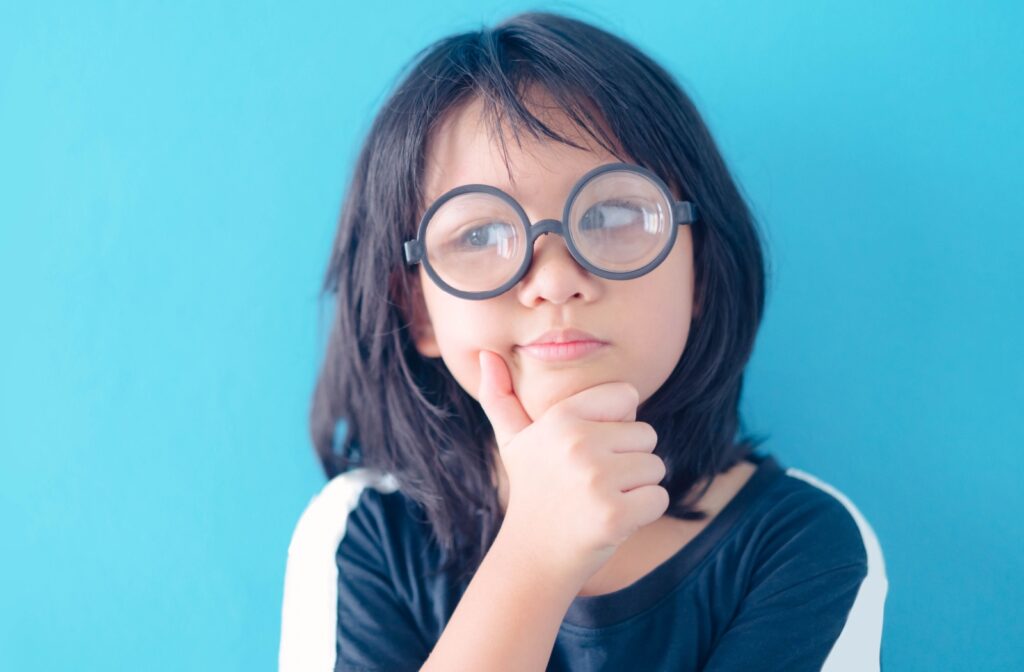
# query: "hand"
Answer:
x=582 y=477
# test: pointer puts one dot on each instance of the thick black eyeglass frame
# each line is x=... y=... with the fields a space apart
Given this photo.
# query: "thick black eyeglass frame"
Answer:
x=683 y=212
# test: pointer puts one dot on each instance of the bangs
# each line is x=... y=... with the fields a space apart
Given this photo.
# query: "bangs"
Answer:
x=513 y=109
x=513 y=78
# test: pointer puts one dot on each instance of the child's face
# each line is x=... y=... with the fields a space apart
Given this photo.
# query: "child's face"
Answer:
x=644 y=320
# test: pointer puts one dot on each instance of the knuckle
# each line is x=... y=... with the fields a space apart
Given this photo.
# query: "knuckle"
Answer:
x=575 y=444
x=578 y=455
x=663 y=498
x=557 y=413
x=609 y=521
x=661 y=468
x=593 y=478
x=650 y=435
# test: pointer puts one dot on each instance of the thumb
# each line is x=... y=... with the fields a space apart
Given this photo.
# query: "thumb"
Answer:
x=499 y=400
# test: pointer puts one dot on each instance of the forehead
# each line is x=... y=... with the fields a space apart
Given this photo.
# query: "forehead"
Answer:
x=465 y=148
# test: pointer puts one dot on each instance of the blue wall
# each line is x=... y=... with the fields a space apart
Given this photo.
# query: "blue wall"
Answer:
x=170 y=177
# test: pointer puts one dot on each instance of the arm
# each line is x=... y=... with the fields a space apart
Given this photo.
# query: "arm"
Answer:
x=508 y=617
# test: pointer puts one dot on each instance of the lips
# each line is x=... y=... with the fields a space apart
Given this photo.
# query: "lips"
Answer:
x=558 y=345
x=561 y=352
x=554 y=336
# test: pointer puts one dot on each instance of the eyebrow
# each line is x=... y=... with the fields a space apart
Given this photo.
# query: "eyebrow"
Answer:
x=509 y=188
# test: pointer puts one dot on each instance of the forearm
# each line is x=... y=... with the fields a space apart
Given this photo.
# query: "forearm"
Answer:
x=508 y=617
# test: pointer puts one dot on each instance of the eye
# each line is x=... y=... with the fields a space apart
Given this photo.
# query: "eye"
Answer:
x=611 y=214
x=485 y=236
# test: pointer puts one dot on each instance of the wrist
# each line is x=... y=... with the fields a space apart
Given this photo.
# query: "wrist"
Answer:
x=515 y=552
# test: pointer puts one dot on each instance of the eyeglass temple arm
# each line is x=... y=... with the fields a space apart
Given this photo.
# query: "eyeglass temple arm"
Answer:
x=684 y=212
x=413 y=252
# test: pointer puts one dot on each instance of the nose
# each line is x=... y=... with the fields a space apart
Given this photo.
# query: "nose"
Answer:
x=554 y=274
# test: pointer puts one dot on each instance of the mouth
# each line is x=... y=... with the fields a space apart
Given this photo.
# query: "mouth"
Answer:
x=560 y=352
x=563 y=335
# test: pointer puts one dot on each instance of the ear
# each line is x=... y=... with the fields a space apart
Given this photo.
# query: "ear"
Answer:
x=420 y=325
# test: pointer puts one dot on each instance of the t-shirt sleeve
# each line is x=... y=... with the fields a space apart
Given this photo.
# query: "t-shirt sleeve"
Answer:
x=375 y=628
x=811 y=570
x=789 y=625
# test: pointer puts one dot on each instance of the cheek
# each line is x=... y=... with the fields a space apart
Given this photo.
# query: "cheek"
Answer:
x=462 y=331
x=660 y=311
x=658 y=338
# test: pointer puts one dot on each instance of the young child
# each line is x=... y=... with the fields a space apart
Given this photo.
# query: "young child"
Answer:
x=547 y=286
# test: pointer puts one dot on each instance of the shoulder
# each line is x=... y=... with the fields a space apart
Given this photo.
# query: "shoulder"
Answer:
x=840 y=552
x=812 y=515
x=813 y=578
x=786 y=525
x=356 y=498
x=327 y=513
x=815 y=541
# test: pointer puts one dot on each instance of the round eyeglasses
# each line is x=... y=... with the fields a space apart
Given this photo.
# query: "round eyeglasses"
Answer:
x=619 y=222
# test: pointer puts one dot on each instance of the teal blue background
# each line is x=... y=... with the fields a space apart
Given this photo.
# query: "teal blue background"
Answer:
x=170 y=177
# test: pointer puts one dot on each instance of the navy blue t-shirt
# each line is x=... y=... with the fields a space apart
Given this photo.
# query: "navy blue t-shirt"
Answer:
x=788 y=576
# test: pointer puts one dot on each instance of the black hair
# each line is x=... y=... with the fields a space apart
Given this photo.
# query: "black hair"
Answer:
x=404 y=413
